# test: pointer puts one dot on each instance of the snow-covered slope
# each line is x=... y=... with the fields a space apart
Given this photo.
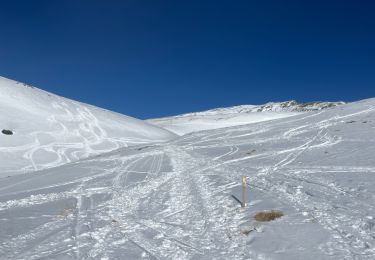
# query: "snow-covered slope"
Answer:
x=49 y=130
x=237 y=115
x=174 y=200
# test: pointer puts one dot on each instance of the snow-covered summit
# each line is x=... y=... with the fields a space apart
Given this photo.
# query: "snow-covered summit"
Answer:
x=237 y=115
x=294 y=106
x=46 y=130
x=286 y=106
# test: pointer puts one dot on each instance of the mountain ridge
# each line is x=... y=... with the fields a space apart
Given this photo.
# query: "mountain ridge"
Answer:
x=237 y=115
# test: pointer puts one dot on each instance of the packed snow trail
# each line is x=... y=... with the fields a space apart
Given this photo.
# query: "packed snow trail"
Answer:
x=158 y=202
x=174 y=200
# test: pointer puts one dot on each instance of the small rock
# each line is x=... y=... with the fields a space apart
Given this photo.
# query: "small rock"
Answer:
x=7 y=132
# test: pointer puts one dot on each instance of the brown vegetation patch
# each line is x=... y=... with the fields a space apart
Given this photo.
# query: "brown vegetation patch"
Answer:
x=268 y=215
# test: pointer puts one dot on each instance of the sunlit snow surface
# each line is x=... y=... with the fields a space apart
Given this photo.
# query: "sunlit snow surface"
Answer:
x=237 y=115
x=174 y=200
x=50 y=130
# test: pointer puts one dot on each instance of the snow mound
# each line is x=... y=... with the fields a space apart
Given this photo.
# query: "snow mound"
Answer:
x=49 y=130
x=237 y=115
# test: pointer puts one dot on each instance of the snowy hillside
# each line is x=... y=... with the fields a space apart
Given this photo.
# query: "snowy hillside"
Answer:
x=237 y=115
x=174 y=200
x=48 y=130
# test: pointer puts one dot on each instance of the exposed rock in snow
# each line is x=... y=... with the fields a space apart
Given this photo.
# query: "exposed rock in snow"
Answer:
x=294 y=106
x=7 y=132
x=237 y=115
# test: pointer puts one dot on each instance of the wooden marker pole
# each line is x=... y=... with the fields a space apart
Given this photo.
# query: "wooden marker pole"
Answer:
x=243 y=204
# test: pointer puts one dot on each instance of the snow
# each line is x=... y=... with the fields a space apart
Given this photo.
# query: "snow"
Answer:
x=237 y=115
x=49 y=130
x=173 y=200
x=185 y=125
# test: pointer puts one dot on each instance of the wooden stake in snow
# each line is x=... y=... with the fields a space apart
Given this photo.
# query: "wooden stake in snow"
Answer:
x=243 y=204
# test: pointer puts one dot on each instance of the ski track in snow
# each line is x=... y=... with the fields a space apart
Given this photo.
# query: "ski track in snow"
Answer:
x=50 y=130
x=90 y=133
x=173 y=200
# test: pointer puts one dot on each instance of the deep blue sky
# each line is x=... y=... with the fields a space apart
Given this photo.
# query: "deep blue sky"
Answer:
x=155 y=58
